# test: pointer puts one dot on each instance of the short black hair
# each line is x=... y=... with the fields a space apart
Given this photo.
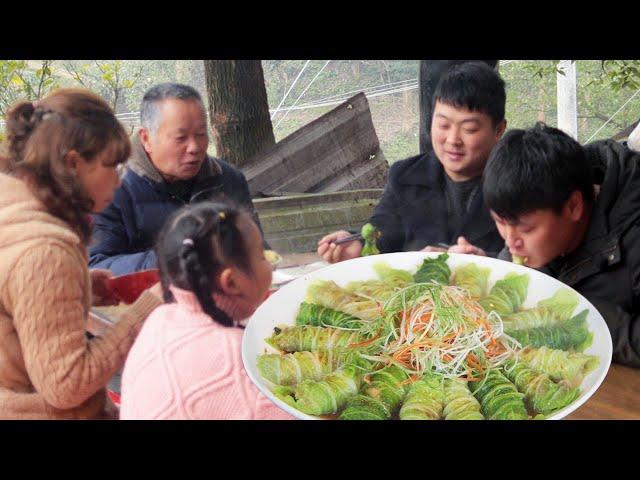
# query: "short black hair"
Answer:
x=475 y=86
x=535 y=169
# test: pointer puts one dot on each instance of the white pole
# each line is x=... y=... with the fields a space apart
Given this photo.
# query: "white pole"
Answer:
x=567 y=104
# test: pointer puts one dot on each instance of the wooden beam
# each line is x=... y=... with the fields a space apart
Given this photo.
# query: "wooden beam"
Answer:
x=337 y=151
x=567 y=105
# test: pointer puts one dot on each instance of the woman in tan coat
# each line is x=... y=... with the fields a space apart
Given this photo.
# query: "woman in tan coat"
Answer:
x=60 y=163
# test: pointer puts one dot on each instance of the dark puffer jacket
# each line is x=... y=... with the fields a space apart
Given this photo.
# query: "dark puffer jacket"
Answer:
x=605 y=268
x=412 y=212
x=125 y=232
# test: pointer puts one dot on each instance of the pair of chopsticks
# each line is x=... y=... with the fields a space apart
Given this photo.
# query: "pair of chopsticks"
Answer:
x=350 y=238
x=358 y=236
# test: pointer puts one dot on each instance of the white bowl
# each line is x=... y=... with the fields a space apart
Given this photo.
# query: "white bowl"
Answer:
x=281 y=308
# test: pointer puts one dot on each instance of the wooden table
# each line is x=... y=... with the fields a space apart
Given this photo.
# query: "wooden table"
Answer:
x=618 y=398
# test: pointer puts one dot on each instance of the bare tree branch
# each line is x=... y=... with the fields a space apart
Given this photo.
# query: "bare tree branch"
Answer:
x=625 y=132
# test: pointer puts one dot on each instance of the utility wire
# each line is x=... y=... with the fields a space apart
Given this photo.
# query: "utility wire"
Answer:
x=303 y=92
x=289 y=90
x=369 y=94
x=375 y=91
x=323 y=101
x=365 y=89
x=611 y=117
x=338 y=102
x=368 y=90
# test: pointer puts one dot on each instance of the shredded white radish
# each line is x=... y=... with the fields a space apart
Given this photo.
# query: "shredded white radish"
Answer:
x=439 y=328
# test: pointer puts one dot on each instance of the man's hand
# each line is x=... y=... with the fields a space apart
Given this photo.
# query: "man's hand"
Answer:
x=464 y=246
x=333 y=253
x=102 y=295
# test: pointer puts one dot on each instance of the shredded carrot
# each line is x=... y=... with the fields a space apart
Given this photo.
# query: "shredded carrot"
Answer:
x=412 y=378
x=365 y=343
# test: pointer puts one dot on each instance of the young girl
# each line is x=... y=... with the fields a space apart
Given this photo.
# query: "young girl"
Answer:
x=186 y=362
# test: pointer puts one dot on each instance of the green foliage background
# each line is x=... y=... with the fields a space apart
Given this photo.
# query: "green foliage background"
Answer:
x=603 y=87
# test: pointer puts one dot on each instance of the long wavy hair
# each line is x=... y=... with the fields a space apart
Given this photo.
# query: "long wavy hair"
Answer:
x=39 y=136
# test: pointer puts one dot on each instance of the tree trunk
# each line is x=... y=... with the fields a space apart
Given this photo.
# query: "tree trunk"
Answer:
x=238 y=109
x=430 y=73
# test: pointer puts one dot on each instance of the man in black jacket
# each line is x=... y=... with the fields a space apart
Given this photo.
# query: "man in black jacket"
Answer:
x=168 y=168
x=574 y=213
x=436 y=198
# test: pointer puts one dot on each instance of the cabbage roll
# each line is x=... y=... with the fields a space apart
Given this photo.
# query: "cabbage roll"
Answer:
x=499 y=398
x=434 y=270
x=572 y=334
x=382 y=396
x=323 y=397
x=425 y=399
x=508 y=294
x=319 y=316
x=541 y=394
x=308 y=338
x=531 y=318
x=459 y=402
x=330 y=294
x=472 y=278
x=293 y=368
x=559 y=364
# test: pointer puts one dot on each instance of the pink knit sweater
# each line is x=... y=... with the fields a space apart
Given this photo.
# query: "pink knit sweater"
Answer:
x=185 y=366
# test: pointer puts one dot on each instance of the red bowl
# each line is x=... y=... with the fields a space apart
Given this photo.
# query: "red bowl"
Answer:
x=129 y=287
x=114 y=397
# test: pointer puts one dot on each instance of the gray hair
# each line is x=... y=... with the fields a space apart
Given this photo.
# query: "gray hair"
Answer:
x=150 y=106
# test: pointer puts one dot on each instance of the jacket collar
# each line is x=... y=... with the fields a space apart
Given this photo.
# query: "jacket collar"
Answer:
x=615 y=172
x=616 y=208
x=426 y=171
x=140 y=163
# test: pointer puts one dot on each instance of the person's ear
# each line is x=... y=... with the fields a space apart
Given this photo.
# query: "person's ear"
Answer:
x=72 y=160
x=575 y=206
x=501 y=128
x=145 y=139
x=228 y=282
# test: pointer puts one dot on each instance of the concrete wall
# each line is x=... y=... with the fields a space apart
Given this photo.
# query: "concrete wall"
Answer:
x=295 y=223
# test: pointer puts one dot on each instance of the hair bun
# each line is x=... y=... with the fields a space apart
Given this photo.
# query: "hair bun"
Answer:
x=20 y=122
x=20 y=117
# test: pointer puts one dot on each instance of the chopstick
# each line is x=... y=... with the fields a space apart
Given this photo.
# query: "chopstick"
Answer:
x=350 y=238
x=358 y=236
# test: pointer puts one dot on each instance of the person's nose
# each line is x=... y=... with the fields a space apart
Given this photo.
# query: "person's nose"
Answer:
x=193 y=146
x=512 y=239
x=453 y=136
